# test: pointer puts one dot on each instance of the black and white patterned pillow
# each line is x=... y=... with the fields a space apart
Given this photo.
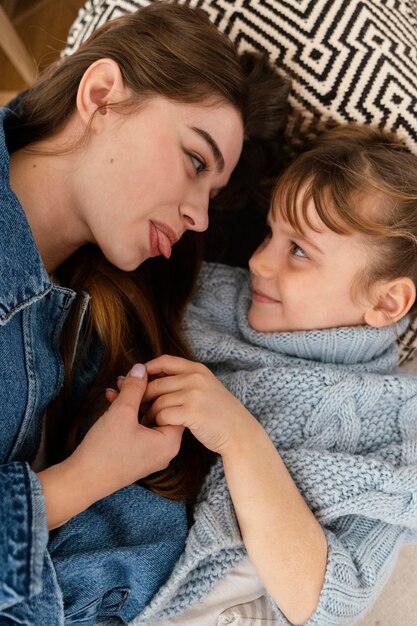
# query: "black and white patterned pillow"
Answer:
x=348 y=60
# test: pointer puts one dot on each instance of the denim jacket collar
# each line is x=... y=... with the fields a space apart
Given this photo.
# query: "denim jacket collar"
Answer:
x=23 y=277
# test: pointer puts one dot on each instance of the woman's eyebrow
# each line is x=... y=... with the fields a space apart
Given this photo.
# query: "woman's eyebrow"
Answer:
x=218 y=157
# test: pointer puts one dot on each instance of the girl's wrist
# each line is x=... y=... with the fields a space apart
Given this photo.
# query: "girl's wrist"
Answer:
x=250 y=434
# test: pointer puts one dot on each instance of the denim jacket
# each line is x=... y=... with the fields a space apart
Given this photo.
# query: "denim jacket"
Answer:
x=128 y=542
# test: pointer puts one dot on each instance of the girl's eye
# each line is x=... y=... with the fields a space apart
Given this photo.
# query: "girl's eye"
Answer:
x=297 y=251
x=198 y=163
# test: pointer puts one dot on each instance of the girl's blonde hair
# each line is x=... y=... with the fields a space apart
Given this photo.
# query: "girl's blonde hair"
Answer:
x=361 y=180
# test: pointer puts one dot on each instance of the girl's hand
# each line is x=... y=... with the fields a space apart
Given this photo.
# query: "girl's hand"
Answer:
x=115 y=452
x=185 y=393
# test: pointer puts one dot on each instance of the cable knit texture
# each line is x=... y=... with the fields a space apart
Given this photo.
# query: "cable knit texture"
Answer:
x=344 y=419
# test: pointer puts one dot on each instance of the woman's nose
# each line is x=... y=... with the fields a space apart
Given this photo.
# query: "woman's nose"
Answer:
x=194 y=212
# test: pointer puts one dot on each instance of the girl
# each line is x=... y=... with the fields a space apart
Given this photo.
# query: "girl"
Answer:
x=120 y=147
x=317 y=442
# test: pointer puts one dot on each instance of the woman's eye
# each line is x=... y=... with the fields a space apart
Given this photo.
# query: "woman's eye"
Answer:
x=198 y=163
x=297 y=251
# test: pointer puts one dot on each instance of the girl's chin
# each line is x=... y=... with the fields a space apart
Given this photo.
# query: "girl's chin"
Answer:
x=258 y=324
x=265 y=325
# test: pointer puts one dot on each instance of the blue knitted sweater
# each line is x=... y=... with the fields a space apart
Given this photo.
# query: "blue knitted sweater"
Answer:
x=344 y=420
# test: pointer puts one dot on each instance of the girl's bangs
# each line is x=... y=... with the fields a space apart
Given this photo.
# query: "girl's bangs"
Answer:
x=292 y=197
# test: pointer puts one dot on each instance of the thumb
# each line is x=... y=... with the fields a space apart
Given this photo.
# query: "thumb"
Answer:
x=133 y=388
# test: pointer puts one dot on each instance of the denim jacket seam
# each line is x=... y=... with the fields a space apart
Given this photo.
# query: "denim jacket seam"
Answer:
x=84 y=307
x=55 y=337
x=38 y=525
x=5 y=318
x=28 y=488
x=31 y=391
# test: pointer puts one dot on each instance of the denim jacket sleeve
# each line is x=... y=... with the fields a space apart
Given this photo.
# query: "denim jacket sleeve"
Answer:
x=24 y=534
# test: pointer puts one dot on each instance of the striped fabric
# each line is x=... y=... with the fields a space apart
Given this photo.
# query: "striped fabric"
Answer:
x=255 y=613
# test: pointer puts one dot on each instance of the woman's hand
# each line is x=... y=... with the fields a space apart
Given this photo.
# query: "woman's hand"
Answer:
x=185 y=393
x=116 y=452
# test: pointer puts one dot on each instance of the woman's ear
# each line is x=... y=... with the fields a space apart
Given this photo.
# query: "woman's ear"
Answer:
x=101 y=84
x=394 y=299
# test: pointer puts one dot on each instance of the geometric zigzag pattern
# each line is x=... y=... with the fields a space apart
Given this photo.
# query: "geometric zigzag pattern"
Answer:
x=348 y=60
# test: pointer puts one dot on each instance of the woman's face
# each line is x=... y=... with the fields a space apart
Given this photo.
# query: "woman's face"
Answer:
x=146 y=177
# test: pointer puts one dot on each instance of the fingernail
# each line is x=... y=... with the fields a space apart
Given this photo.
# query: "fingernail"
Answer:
x=121 y=377
x=111 y=389
x=138 y=370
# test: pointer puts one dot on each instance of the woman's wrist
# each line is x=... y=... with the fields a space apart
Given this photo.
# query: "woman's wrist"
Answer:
x=67 y=491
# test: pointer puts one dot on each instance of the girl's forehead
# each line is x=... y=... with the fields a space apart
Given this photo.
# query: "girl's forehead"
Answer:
x=310 y=207
x=298 y=213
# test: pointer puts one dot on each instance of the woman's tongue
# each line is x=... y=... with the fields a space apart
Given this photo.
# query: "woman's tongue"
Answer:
x=164 y=244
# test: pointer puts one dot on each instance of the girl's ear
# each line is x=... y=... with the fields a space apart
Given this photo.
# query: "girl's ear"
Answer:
x=394 y=299
x=101 y=84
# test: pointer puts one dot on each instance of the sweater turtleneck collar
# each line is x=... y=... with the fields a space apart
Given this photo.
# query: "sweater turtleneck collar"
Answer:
x=345 y=345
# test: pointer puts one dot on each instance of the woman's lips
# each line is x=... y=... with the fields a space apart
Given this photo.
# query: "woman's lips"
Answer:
x=258 y=296
x=162 y=238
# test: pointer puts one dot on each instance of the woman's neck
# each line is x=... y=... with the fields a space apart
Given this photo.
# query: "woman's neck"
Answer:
x=43 y=185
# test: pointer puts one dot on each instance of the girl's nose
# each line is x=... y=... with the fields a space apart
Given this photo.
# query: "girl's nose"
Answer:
x=262 y=262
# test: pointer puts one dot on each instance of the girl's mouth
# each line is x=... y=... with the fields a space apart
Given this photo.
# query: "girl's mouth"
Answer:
x=258 y=296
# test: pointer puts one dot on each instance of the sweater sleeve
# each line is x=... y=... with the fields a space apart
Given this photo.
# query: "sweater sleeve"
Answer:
x=361 y=556
x=24 y=534
x=336 y=484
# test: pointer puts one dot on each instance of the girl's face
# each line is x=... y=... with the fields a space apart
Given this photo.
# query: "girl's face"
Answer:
x=147 y=177
x=306 y=282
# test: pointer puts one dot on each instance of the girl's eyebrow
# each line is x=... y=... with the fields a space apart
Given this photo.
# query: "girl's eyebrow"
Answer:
x=297 y=235
x=218 y=157
x=304 y=239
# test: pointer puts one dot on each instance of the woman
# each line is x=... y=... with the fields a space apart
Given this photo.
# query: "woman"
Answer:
x=120 y=146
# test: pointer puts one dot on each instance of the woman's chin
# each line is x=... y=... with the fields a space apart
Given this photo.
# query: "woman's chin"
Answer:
x=124 y=262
